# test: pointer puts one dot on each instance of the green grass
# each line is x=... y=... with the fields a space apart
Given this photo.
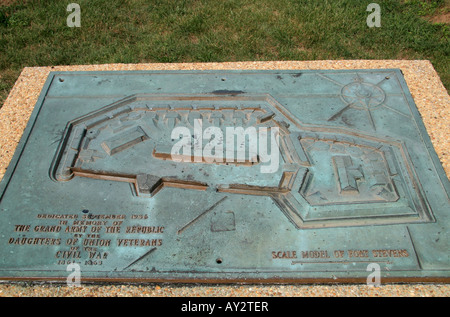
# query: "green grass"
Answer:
x=34 y=32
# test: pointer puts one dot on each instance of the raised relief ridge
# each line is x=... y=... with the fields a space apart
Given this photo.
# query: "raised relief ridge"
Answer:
x=326 y=177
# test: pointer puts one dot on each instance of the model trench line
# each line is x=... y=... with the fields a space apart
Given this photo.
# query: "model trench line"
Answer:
x=362 y=173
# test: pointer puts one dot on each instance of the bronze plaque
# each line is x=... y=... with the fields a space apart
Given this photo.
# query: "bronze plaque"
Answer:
x=225 y=176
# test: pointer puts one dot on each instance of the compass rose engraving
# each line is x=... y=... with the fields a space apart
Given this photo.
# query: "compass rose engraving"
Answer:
x=362 y=96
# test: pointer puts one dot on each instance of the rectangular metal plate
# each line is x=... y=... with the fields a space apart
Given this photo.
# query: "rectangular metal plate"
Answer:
x=225 y=176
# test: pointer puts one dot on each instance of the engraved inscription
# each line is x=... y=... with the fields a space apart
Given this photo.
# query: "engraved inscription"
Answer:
x=284 y=254
x=88 y=237
x=385 y=256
